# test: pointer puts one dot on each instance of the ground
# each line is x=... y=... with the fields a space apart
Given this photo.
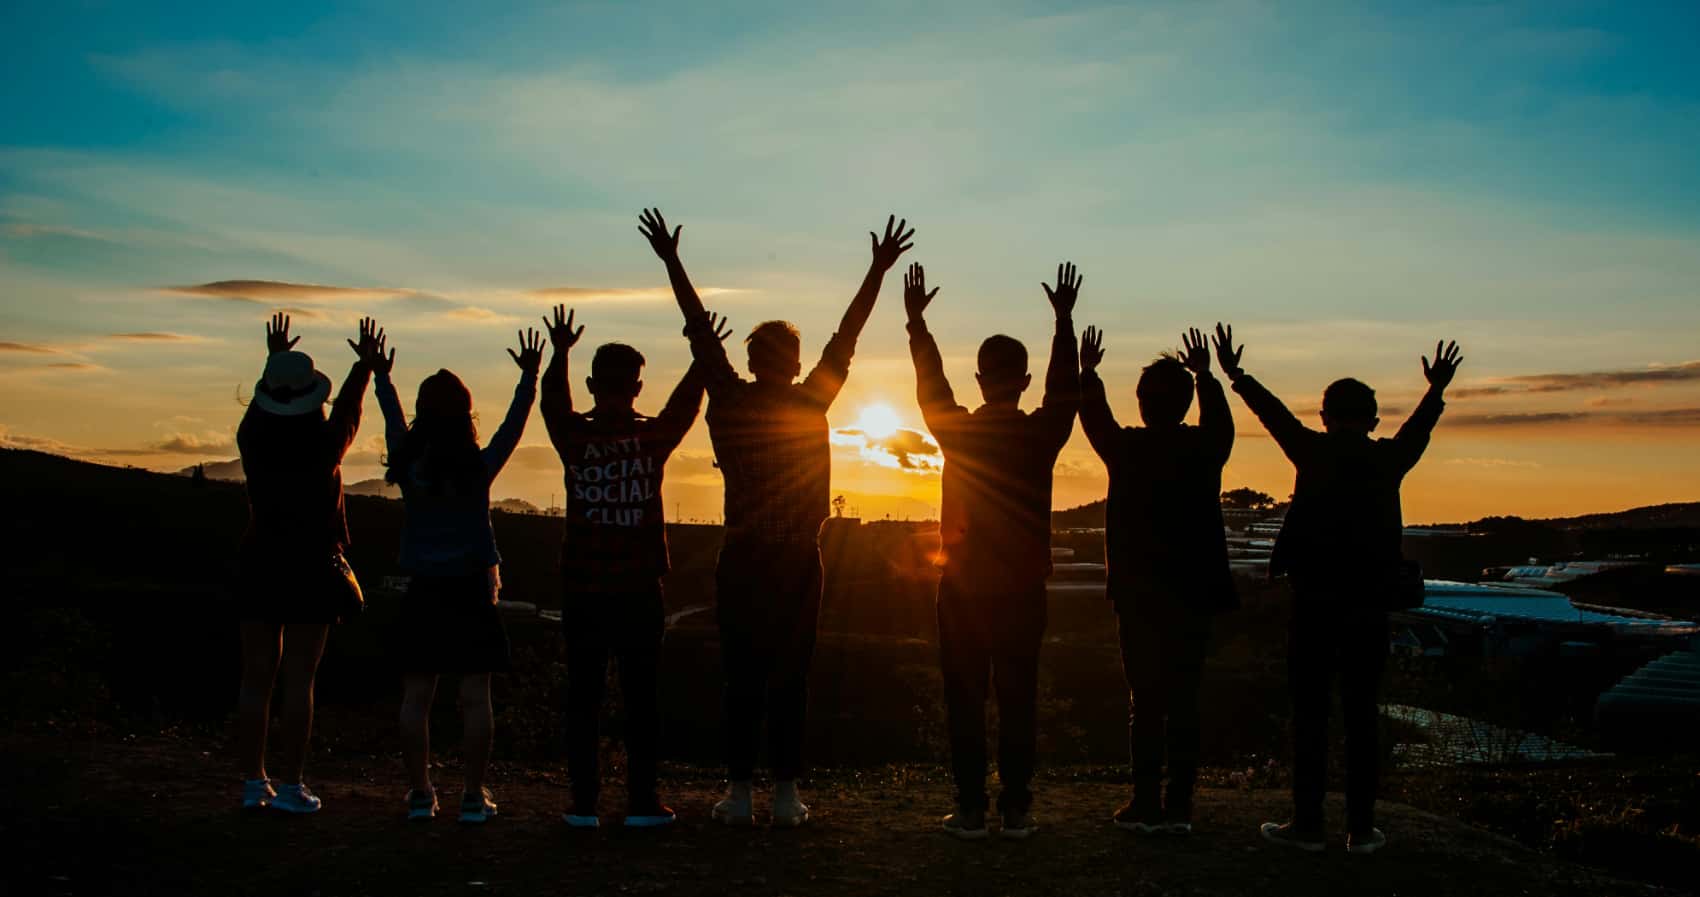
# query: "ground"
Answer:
x=156 y=816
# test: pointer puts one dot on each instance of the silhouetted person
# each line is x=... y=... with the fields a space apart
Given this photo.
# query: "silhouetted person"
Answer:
x=292 y=461
x=1168 y=561
x=771 y=443
x=449 y=619
x=1340 y=548
x=995 y=534
x=613 y=555
x=199 y=476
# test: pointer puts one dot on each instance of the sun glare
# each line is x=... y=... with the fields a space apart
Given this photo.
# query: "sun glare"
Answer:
x=878 y=421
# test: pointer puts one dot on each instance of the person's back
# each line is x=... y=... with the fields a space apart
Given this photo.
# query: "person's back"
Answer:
x=995 y=540
x=772 y=444
x=1340 y=548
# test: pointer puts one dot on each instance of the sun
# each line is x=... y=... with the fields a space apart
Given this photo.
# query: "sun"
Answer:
x=878 y=421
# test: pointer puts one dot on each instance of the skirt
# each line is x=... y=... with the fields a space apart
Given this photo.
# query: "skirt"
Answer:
x=450 y=624
x=281 y=592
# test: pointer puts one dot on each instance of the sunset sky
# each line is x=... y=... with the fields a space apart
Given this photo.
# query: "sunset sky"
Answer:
x=1345 y=183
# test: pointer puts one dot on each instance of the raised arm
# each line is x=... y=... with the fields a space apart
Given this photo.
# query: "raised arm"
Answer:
x=1412 y=438
x=1096 y=418
x=938 y=403
x=556 y=400
x=506 y=438
x=1062 y=376
x=1291 y=435
x=833 y=369
x=709 y=351
x=1215 y=421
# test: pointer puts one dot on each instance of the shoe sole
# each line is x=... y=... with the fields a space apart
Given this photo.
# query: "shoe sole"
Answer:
x=421 y=815
x=1138 y=828
x=476 y=818
x=1178 y=829
x=581 y=821
x=649 y=821
x=735 y=821
x=293 y=811
x=1365 y=849
x=1306 y=846
x=1017 y=834
x=790 y=821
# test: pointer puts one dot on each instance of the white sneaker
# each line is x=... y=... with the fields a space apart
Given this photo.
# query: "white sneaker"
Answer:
x=1371 y=842
x=738 y=807
x=257 y=793
x=296 y=798
x=789 y=811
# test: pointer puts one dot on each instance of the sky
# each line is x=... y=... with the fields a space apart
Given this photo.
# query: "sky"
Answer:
x=1345 y=183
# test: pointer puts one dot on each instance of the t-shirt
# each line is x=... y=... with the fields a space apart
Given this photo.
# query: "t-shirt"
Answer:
x=293 y=471
x=615 y=535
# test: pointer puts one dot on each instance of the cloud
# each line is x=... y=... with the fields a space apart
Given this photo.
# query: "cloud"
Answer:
x=29 y=348
x=1572 y=382
x=153 y=337
x=905 y=449
x=1493 y=462
x=1681 y=417
x=190 y=444
x=621 y=294
x=475 y=315
x=52 y=446
x=262 y=292
x=74 y=366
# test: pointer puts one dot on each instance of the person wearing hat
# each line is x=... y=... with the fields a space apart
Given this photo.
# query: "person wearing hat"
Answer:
x=449 y=619
x=291 y=454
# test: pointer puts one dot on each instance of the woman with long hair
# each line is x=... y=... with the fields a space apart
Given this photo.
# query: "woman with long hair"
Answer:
x=449 y=619
x=293 y=577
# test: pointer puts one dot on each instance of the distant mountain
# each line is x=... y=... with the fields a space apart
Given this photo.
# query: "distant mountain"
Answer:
x=515 y=506
x=376 y=486
x=1680 y=514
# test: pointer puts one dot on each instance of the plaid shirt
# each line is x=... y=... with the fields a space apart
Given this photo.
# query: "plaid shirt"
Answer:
x=771 y=443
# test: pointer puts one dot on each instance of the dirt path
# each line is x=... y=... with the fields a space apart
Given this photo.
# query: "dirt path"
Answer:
x=155 y=817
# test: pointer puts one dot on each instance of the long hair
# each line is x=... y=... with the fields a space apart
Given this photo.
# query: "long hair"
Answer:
x=441 y=448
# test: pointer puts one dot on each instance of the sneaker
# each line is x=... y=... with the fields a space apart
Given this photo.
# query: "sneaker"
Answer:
x=257 y=793
x=967 y=825
x=738 y=807
x=422 y=804
x=479 y=808
x=295 y=799
x=582 y=820
x=1287 y=835
x=1178 y=828
x=789 y=811
x=1018 y=825
x=654 y=814
x=1137 y=820
x=1366 y=843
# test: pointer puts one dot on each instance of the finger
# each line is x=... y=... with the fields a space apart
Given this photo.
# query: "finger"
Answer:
x=392 y=356
x=1047 y=288
x=513 y=356
x=294 y=341
x=578 y=333
x=889 y=219
x=935 y=292
x=351 y=345
x=676 y=231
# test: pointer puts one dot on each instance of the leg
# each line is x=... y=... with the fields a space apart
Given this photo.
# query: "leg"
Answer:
x=303 y=646
x=479 y=721
x=262 y=649
x=418 y=690
x=637 y=648
x=788 y=688
x=1310 y=663
x=1015 y=674
x=1141 y=643
x=587 y=678
x=745 y=658
x=1363 y=657
x=965 y=663
x=1185 y=673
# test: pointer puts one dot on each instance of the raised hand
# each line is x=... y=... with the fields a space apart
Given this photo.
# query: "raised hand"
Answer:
x=1226 y=355
x=654 y=229
x=1446 y=361
x=530 y=355
x=370 y=349
x=277 y=334
x=896 y=242
x=1091 y=349
x=915 y=294
x=1195 y=352
x=718 y=326
x=561 y=332
x=1067 y=291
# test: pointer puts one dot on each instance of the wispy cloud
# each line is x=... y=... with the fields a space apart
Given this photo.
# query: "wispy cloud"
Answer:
x=621 y=294
x=1677 y=417
x=29 y=348
x=1591 y=380
x=191 y=444
x=153 y=336
x=267 y=291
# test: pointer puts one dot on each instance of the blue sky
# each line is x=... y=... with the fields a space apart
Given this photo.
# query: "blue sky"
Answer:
x=1345 y=182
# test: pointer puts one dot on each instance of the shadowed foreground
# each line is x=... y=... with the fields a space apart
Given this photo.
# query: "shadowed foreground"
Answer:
x=155 y=816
